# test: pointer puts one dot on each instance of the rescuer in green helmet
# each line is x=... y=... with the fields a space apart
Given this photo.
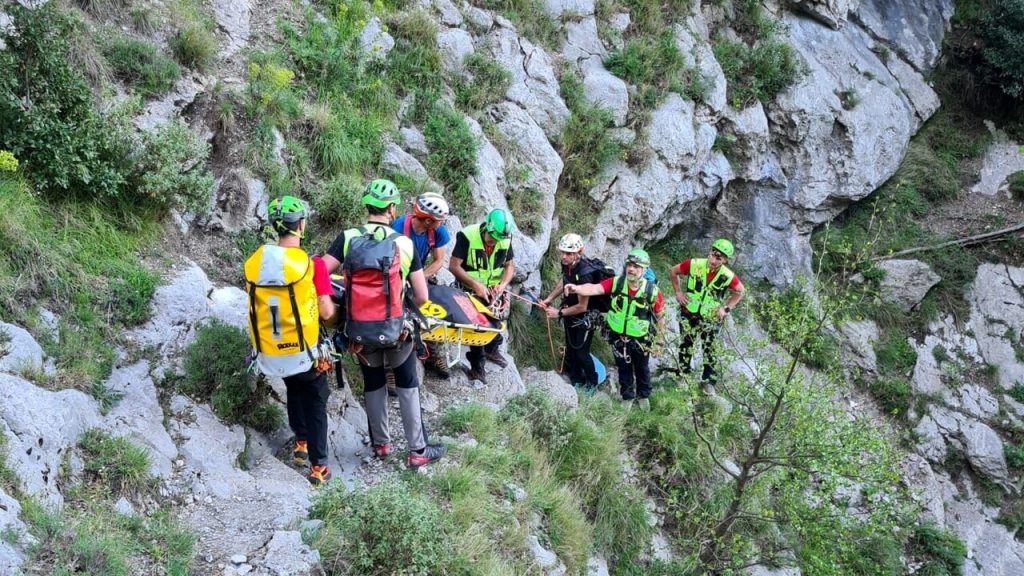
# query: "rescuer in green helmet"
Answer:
x=701 y=285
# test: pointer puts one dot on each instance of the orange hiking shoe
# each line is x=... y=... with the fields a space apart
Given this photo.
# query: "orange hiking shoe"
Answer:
x=300 y=454
x=319 y=475
x=431 y=453
x=381 y=450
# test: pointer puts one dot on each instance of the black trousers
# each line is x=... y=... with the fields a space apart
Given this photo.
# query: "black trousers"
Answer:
x=634 y=364
x=476 y=353
x=694 y=327
x=307 y=411
x=579 y=364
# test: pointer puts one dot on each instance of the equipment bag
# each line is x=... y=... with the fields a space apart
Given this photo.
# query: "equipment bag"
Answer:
x=284 y=321
x=599 y=272
x=374 y=311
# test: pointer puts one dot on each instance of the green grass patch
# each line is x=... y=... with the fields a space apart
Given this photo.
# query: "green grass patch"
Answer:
x=941 y=551
x=195 y=45
x=141 y=65
x=452 y=158
x=387 y=528
x=757 y=73
x=1017 y=392
x=115 y=462
x=215 y=370
x=483 y=84
x=93 y=539
x=1016 y=185
x=587 y=148
x=88 y=272
x=531 y=18
x=1014 y=455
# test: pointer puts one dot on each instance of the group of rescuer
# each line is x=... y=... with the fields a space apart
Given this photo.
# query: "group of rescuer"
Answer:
x=290 y=295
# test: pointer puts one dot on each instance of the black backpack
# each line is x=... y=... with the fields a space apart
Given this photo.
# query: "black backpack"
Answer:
x=598 y=272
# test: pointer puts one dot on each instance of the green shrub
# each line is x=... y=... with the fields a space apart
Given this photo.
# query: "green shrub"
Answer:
x=892 y=393
x=647 y=60
x=47 y=119
x=129 y=295
x=1014 y=455
x=116 y=462
x=1016 y=184
x=941 y=551
x=452 y=158
x=269 y=91
x=194 y=46
x=1003 y=46
x=754 y=73
x=140 y=64
x=215 y=370
x=1017 y=392
x=484 y=83
x=172 y=169
x=895 y=354
x=386 y=529
x=338 y=200
x=348 y=143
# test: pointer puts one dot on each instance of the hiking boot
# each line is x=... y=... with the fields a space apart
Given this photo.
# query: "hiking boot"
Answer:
x=438 y=366
x=381 y=450
x=497 y=358
x=708 y=389
x=431 y=453
x=389 y=381
x=300 y=454
x=319 y=475
x=645 y=404
x=477 y=374
x=627 y=404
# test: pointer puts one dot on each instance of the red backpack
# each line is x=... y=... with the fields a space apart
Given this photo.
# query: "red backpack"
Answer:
x=374 y=289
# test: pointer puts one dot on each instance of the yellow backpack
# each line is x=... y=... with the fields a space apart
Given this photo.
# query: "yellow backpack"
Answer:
x=284 y=321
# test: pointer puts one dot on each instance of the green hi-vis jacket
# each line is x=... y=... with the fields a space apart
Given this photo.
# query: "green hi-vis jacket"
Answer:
x=631 y=315
x=702 y=297
x=480 y=267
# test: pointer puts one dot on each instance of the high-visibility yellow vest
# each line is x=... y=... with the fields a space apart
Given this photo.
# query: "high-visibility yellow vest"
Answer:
x=284 y=318
x=478 y=265
x=631 y=315
x=702 y=297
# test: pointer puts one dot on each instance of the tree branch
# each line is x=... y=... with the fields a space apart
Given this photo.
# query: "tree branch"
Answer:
x=977 y=239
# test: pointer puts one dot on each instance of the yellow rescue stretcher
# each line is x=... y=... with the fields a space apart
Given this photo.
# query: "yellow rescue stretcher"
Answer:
x=455 y=317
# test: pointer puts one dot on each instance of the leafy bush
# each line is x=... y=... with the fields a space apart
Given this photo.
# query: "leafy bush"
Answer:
x=172 y=169
x=383 y=530
x=1002 y=34
x=892 y=393
x=269 y=90
x=116 y=462
x=47 y=119
x=1016 y=183
x=140 y=64
x=215 y=370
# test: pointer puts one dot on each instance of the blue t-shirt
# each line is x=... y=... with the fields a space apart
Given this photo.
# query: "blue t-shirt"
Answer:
x=420 y=241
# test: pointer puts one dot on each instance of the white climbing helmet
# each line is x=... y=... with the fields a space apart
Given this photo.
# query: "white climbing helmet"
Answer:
x=570 y=243
x=430 y=205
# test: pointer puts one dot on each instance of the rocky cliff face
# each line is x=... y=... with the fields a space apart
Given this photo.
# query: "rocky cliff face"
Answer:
x=796 y=162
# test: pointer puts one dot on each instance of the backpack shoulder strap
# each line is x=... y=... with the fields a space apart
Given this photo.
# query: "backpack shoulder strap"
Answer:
x=431 y=238
x=407 y=225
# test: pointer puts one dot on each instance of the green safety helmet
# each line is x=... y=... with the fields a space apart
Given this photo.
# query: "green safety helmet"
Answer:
x=639 y=257
x=723 y=246
x=498 y=225
x=381 y=193
x=287 y=209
